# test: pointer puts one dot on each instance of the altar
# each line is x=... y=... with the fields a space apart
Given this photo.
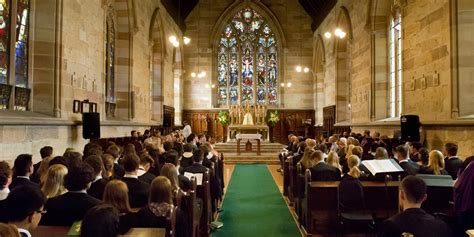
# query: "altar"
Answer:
x=247 y=120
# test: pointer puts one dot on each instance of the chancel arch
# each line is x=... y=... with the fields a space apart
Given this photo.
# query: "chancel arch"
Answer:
x=177 y=85
x=319 y=69
x=156 y=66
x=247 y=62
x=343 y=68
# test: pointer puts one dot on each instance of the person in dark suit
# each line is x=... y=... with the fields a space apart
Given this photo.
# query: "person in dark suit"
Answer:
x=197 y=166
x=172 y=158
x=452 y=162
x=98 y=184
x=351 y=192
x=24 y=208
x=22 y=170
x=187 y=158
x=45 y=152
x=144 y=174
x=65 y=209
x=413 y=219
x=101 y=220
x=371 y=154
x=322 y=171
x=137 y=190
x=410 y=167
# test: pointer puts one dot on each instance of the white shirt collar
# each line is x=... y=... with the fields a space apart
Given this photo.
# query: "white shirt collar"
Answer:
x=451 y=157
x=80 y=191
x=4 y=193
x=187 y=154
x=24 y=231
x=130 y=176
x=99 y=177
x=24 y=177
x=404 y=160
x=209 y=156
x=141 y=171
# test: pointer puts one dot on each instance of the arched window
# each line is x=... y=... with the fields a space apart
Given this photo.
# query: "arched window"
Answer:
x=395 y=65
x=247 y=61
x=16 y=76
x=110 y=66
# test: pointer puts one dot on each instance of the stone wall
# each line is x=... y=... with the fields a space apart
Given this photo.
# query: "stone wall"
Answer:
x=427 y=72
x=73 y=53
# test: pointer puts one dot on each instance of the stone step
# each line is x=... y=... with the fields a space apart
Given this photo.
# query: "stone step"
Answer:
x=251 y=158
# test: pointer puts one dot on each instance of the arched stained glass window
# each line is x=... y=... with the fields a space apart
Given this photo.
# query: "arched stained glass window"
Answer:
x=395 y=65
x=4 y=40
x=21 y=45
x=247 y=61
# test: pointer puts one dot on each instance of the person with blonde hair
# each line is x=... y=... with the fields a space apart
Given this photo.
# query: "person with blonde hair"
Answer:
x=333 y=160
x=306 y=161
x=310 y=143
x=353 y=162
x=435 y=164
x=7 y=230
x=116 y=194
x=53 y=181
x=169 y=171
x=351 y=192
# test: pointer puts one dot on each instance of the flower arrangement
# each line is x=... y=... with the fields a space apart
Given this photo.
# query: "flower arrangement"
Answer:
x=223 y=117
x=272 y=118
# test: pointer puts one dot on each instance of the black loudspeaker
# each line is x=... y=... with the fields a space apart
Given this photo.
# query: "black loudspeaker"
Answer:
x=91 y=125
x=167 y=120
x=410 y=128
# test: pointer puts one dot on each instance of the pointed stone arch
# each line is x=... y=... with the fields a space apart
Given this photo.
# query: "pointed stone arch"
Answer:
x=157 y=48
x=319 y=69
x=177 y=85
x=343 y=68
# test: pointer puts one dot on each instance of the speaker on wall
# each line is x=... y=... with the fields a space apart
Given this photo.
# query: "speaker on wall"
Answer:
x=410 y=125
x=91 y=125
x=167 y=120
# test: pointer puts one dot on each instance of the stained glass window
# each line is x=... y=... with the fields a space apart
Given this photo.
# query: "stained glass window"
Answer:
x=21 y=45
x=4 y=40
x=247 y=61
x=395 y=65
x=110 y=60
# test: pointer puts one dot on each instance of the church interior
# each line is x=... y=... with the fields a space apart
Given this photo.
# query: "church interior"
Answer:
x=236 y=117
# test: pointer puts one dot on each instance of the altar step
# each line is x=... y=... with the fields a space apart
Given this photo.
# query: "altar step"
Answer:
x=269 y=153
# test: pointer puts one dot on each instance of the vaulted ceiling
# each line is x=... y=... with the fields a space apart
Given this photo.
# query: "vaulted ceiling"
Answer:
x=316 y=9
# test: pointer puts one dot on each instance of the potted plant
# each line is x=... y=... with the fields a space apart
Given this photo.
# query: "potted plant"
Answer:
x=224 y=120
x=272 y=119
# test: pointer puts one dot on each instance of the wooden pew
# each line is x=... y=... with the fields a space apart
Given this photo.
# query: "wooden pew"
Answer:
x=189 y=204
x=291 y=180
x=203 y=191
x=61 y=231
x=286 y=176
x=319 y=205
x=299 y=190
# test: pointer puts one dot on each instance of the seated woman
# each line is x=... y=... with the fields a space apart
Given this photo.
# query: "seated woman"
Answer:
x=351 y=193
x=169 y=171
x=464 y=197
x=333 y=160
x=101 y=220
x=435 y=164
x=116 y=195
x=159 y=210
x=53 y=181
x=306 y=161
x=423 y=157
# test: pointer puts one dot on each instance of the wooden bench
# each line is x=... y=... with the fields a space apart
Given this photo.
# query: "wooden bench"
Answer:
x=203 y=191
x=189 y=204
x=61 y=231
x=319 y=204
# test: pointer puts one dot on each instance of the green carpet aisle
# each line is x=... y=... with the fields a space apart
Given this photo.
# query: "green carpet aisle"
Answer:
x=253 y=206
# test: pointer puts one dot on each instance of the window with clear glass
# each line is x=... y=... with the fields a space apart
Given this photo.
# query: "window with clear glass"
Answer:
x=247 y=61
x=395 y=66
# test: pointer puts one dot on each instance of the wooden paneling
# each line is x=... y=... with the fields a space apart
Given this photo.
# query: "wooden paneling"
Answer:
x=205 y=122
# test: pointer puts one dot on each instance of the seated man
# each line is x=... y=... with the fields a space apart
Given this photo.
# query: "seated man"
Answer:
x=144 y=173
x=452 y=163
x=65 y=209
x=322 y=171
x=137 y=190
x=24 y=208
x=22 y=170
x=98 y=184
x=187 y=158
x=410 y=167
x=197 y=166
x=413 y=219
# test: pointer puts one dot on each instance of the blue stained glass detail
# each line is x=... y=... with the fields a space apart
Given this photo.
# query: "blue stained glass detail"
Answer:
x=4 y=40
x=234 y=96
x=262 y=41
x=271 y=41
x=21 y=46
x=232 y=42
x=224 y=42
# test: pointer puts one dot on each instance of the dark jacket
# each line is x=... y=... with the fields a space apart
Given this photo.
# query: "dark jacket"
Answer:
x=410 y=167
x=415 y=221
x=452 y=166
x=17 y=182
x=119 y=172
x=186 y=162
x=351 y=193
x=147 y=177
x=324 y=172
x=97 y=189
x=137 y=192
x=195 y=168
x=428 y=170
x=65 y=209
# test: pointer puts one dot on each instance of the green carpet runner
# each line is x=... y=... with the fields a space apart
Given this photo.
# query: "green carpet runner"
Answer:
x=253 y=206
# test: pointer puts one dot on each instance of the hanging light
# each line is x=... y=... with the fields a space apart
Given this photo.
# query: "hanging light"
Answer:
x=186 y=40
x=342 y=35
x=288 y=84
x=306 y=70
x=327 y=35
x=298 y=68
x=207 y=85
x=193 y=74
x=282 y=84
x=213 y=86
x=173 y=39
